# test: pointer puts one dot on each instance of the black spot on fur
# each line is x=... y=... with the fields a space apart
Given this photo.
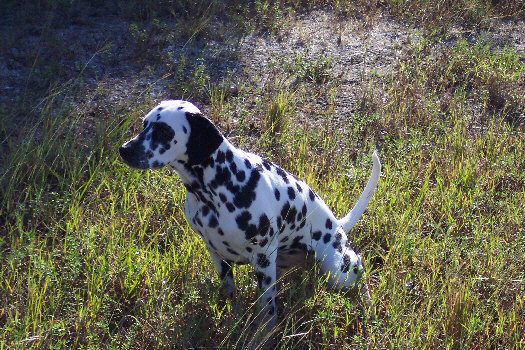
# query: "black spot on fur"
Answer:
x=280 y=225
x=251 y=232
x=184 y=130
x=229 y=156
x=299 y=188
x=220 y=157
x=317 y=235
x=285 y=209
x=277 y=194
x=247 y=163
x=199 y=222
x=205 y=210
x=245 y=197
x=221 y=232
x=230 y=207
x=222 y=197
x=338 y=236
x=291 y=193
x=193 y=187
x=267 y=165
x=161 y=135
x=222 y=176
x=262 y=260
x=288 y=213
x=231 y=251
x=268 y=281
x=263 y=242
x=264 y=225
x=232 y=188
x=311 y=194
x=243 y=219
x=327 y=238
x=282 y=174
x=213 y=222
x=233 y=168
x=241 y=176
x=329 y=224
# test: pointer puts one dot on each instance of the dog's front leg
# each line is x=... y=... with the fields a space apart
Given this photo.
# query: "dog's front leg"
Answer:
x=225 y=271
x=265 y=264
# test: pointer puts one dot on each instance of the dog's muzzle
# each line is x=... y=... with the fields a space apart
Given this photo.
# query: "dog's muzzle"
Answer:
x=132 y=153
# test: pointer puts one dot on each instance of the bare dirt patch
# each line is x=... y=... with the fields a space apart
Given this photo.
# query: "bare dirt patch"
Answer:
x=130 y=61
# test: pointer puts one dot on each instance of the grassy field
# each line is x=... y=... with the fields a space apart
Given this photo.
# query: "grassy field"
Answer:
x=96 y=255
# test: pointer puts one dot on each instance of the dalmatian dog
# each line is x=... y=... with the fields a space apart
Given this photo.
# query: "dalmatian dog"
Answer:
x=247 y=209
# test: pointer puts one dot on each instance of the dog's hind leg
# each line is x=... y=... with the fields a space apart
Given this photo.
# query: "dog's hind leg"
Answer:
x=225 y=271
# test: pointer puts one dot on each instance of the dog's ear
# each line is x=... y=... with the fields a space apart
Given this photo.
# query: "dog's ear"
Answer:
x=204 y=138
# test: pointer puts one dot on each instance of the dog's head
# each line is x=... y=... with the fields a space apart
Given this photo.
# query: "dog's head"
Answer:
x=174 y=131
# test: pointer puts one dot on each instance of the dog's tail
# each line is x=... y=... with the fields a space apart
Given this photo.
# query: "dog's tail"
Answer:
x=359 y=208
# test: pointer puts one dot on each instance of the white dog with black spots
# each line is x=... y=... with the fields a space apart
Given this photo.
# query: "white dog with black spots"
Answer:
x=247 y=209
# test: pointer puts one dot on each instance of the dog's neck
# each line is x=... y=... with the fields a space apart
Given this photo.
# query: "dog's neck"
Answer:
x=194 y=176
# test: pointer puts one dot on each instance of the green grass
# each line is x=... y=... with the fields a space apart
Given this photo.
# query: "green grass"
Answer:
x=96 y=255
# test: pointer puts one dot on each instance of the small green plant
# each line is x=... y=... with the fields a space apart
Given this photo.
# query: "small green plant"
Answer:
x=308 y=70
x=275 y=121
